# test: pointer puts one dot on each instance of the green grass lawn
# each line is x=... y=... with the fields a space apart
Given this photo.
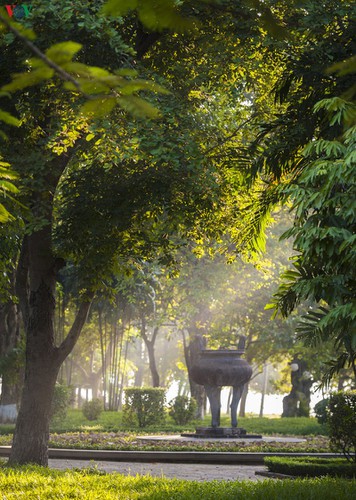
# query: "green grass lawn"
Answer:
x=33 y=483
x=111 y=421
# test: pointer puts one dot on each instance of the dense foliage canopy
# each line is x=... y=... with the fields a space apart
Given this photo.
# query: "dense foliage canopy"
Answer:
x=239 y=94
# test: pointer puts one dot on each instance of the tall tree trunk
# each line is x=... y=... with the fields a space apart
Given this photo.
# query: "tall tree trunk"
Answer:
x=196 y=391
x=123 y=371
x=152 y=361
x=242 y=411
x=247 y=342
x=32 y=427
x=140 y=363
x=43 y=357
x=150 y=345
x=264 y=389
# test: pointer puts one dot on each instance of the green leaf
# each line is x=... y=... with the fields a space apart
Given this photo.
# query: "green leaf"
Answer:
x=23 y=80
x=344 y=67
x=119 y=7
x=63 y=52
x=131 y=86
x=4 y=214
x=126 y=72
x=9 y=119
x=155 y=15
x=98 y=108
x=8 y=186
x=138 y=107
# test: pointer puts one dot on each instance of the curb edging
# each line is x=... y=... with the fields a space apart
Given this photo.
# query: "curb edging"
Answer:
x=168 y=456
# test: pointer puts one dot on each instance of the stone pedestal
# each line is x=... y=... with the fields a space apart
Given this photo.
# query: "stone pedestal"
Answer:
x=222 y=433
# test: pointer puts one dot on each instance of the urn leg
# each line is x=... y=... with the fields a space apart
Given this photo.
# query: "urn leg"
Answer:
x=213 y=394
x=236 y=396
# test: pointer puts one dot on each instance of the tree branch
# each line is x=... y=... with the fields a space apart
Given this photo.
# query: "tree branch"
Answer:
x=143 y=330
x=63 y=75
x=60 y=72
x=154 y=334
x=226 y=139
x=69 y=342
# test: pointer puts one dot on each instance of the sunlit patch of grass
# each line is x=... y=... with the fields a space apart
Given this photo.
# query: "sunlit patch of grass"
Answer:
x=92 y=428
x=33 y=483
x=6 y=429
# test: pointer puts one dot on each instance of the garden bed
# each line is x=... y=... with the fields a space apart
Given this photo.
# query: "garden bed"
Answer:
x=126 y=441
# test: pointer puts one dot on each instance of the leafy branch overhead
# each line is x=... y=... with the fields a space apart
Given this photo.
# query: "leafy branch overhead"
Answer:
x=102 y=89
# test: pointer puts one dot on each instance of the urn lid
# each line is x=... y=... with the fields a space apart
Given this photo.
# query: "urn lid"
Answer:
x=217 y=353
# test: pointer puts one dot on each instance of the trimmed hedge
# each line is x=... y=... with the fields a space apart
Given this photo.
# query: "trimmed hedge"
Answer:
x=144 y=406
x=311 y=466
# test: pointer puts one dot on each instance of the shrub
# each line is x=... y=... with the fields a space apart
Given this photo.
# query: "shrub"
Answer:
x=182 y=409
x=342 y=423
x=321 y=410
x=144 y=406
x=60 y=402
x=92 y=409
x=311 y=466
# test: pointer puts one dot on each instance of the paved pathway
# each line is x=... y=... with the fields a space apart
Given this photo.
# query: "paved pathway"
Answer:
x=196 y=472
